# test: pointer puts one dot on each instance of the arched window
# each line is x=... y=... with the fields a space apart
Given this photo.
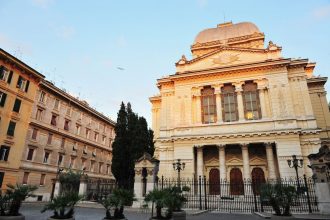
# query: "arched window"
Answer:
x=209 y=113
x=251 y=101
x=229 y=103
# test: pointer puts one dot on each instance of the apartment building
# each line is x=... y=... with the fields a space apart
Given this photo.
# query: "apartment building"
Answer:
x=18 y=87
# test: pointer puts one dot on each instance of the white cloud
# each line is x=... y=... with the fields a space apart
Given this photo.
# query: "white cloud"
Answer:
x=65 y=32
x=202 y=3
x=17 y=49
x=322 y=12
x=121 y=41
x=42 y=3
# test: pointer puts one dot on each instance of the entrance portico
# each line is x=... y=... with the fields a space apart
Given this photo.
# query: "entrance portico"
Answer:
x=242 y=157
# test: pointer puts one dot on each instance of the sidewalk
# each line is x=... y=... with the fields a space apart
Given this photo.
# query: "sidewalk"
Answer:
x=314 y=216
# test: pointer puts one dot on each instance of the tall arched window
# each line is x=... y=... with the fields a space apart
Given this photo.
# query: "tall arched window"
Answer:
x=229 y=103
x=251 y=101
x=209 y=112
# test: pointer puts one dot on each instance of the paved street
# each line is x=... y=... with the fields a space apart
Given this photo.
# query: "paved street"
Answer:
x=32 y=212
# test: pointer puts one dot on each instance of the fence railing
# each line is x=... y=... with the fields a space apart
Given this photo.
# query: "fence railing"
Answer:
x=241 y=196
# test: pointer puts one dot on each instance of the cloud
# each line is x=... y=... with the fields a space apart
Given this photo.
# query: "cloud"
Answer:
x=202 y=3
x=121 y=41
x=321 y=12
x=42 y=3
x=15 y=48
x=65 y=32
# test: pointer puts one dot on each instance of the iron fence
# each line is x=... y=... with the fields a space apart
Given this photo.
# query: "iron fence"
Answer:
x=98 y=189
x=243 y=196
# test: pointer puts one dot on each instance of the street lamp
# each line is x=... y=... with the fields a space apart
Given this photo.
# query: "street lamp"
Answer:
x=179 y=166
x=294 y=163
x=59 y=170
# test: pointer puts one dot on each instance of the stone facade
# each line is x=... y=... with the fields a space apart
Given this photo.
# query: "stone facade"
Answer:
x=18 y=86
x=64 y=132
x=237 y=109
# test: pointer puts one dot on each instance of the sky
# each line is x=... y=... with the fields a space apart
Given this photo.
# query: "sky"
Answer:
x=106 y=52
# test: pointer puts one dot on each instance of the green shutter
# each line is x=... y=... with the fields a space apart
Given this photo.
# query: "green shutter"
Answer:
x=11 y=128
x=3 y=99
x=27 y=85
x=17 y=105
x=10 y=77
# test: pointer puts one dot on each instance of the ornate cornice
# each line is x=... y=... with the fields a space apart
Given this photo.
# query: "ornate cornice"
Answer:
x=237 y=135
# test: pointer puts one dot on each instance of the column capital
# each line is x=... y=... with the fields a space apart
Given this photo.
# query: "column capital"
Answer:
x=199 y=146
x=221 y=146
x=244 y=146
x=268 y=144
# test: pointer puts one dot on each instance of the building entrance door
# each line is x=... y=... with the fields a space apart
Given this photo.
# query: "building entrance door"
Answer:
x=258 y=178
x=214 y=181
x=236 y=182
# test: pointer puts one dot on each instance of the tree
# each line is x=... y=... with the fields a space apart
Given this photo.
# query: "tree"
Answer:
x=133 y=138
x=120 y=149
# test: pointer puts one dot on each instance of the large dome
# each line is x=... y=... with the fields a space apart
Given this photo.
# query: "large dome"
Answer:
x=225 y=31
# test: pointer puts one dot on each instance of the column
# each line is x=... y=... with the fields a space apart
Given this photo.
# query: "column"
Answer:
x=200 y=162
x=198 y=108
x=270 y=161
x=239 y=91
x=222 y=162
x=262 y=102
x=218 y=104
x=246 y=161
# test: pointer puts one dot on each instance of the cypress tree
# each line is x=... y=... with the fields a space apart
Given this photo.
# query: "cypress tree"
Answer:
x=120 y=149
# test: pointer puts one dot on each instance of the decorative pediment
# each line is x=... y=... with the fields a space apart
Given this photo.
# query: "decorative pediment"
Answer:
x=227 y=56
x=257 y=161
x=234 y=160
x=212 y=162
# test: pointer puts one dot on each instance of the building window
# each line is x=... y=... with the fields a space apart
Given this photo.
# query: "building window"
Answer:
x=23 y=84
x=78 y=128
x=209 y=112
x=39 y=114
x=30 y=154
x=100 y=167
x=54 y=120
x=5 y=74
x=108 y=169
x=72 y=162
x=251 y=101
x=66 y=125
x=63 y=143
x=68 y=111
x=96 y=136
x=42 y=97
x=83 y=164
x=85 y=150
x=60 y=159
x=229 y=103
x=25 y=177
x=46 y=157
x=42 y=179
x=57 y=104
x=17 y=105
x=103 y=139
x=3 y=97
x=87 y=133
x=74 y=147
x=92 y=165
x=4 y=153
x=11 y=128
x=50 y=138
x=34 y=133
x=2 y=175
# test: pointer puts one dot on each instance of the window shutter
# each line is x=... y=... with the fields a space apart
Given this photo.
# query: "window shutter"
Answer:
x=19 y=81
x=11 y=128
x=10 y=77
x=2 y=174
x=7 y=154
x=3 y=99
x=17 y=105
x=27 y=85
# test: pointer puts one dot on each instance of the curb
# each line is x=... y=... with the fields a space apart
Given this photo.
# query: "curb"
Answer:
x=262 y=215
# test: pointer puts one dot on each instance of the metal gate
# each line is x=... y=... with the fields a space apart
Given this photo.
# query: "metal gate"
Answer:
x=98 y=189
x=247 y=199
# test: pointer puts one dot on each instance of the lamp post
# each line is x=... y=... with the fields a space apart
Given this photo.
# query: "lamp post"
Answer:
x=294 y=163
x=59 y=170
x=179 y=166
